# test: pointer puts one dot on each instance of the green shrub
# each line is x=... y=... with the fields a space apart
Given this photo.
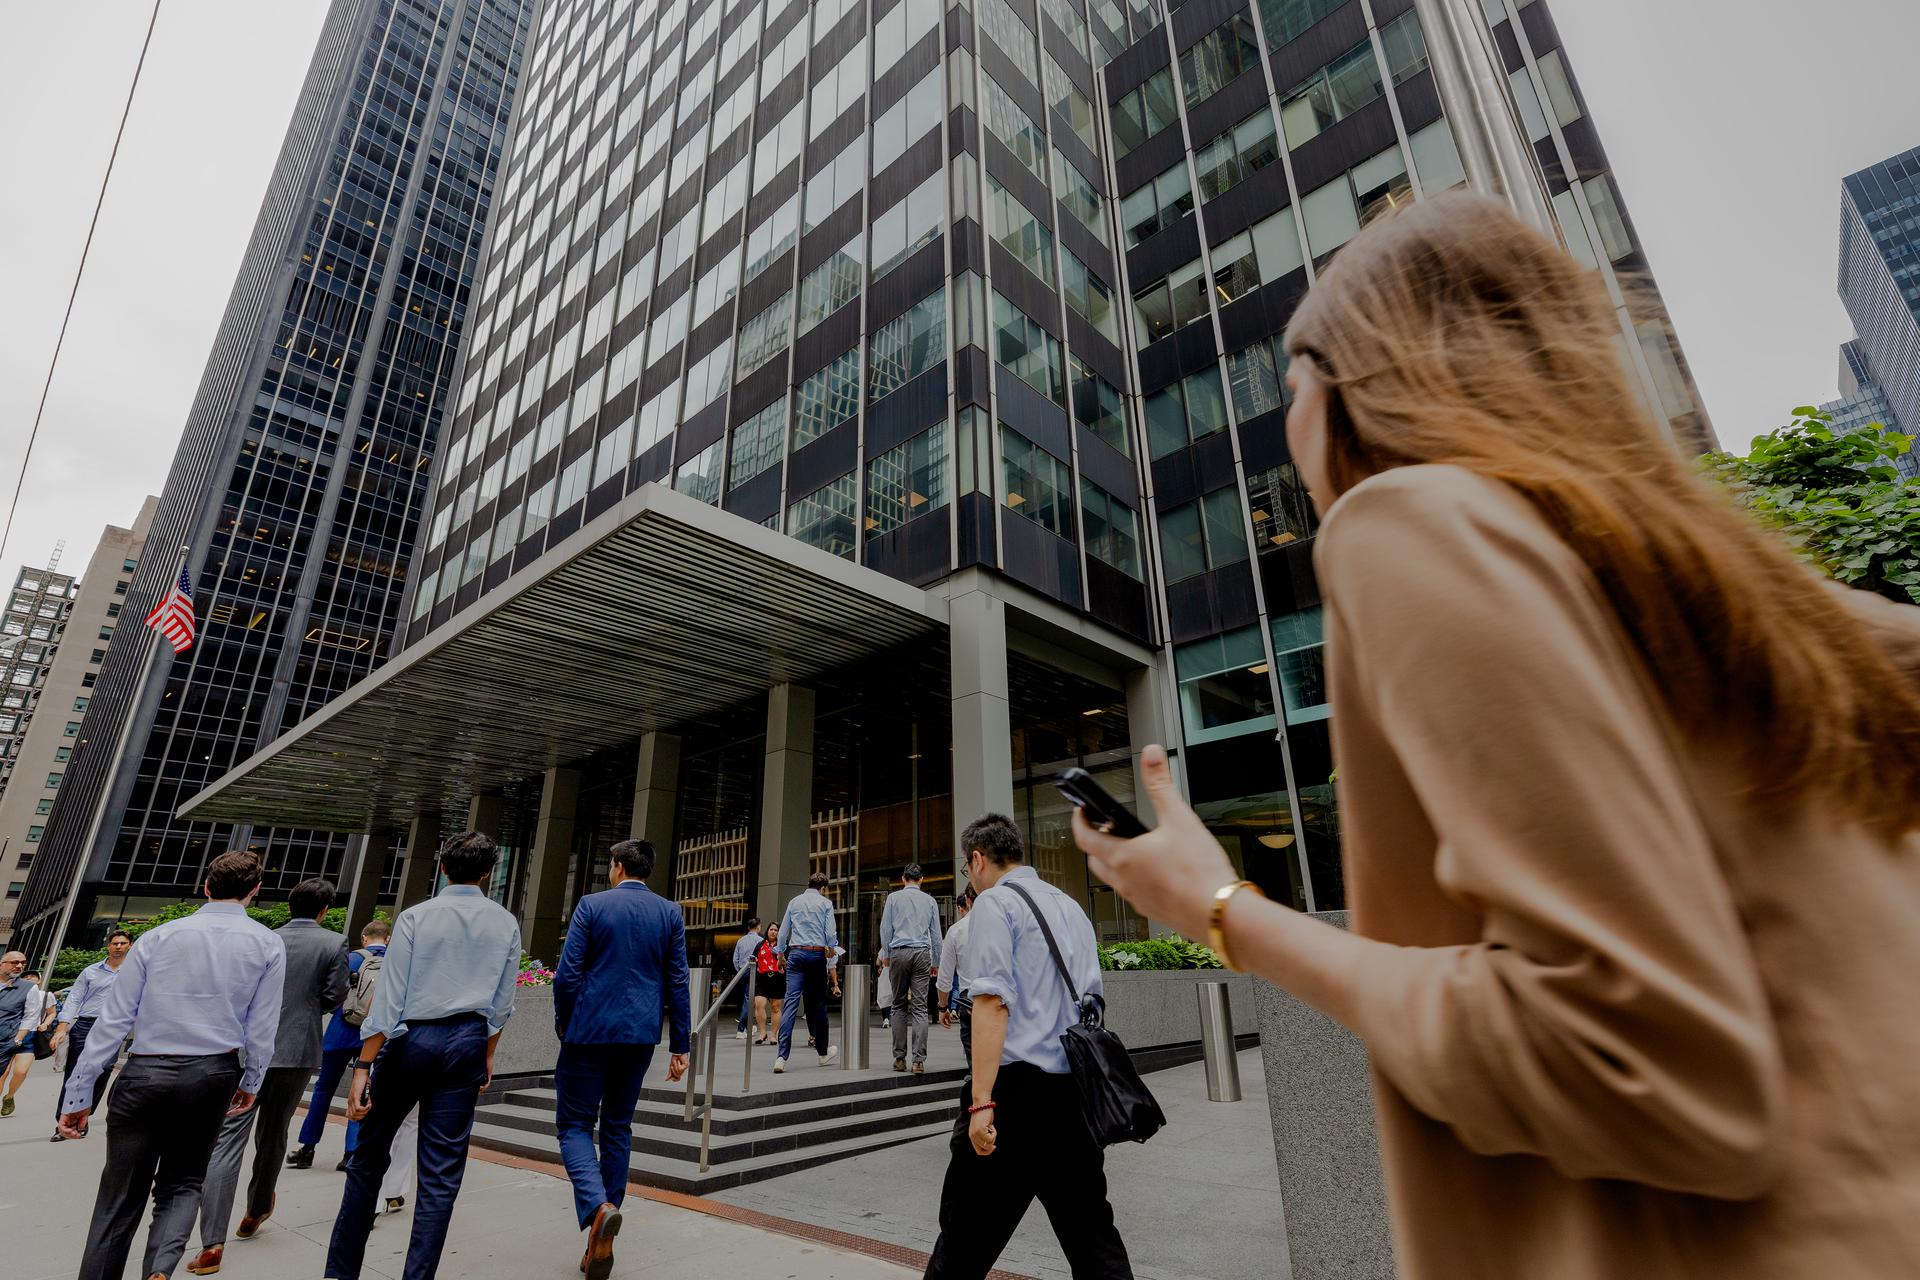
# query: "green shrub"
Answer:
x=1172 y=952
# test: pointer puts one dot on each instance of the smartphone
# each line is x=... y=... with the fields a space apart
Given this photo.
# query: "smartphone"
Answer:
x=1103 y=812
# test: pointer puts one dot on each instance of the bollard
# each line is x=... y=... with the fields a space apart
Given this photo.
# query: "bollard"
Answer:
x=856 y=1014
x=699 y=995
x=1216 y=1042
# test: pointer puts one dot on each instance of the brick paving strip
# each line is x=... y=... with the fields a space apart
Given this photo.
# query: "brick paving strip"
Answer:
x=879 y=1249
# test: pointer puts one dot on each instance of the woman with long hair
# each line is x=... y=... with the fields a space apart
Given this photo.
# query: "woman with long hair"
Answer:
x=770 y=973
x=1628 y=802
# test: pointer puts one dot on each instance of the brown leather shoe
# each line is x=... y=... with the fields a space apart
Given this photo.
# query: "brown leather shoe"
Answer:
x=599 y=1259
x=250 y=1225
x=208 y=1262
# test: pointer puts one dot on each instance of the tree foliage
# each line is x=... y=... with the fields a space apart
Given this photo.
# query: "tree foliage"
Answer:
x=1839 y=496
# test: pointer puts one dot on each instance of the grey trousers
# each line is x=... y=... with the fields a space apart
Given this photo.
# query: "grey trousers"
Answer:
x=267 y=1121
x=162 y=1122
x=910 y=970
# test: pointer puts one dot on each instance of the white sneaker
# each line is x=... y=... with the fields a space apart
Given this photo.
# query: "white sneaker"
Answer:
x=739 y=1035
x=779 y=1065
x=828 y=1057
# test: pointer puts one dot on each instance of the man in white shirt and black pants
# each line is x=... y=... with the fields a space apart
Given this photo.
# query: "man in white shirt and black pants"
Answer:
x=201 y=996
x=1022 y=1134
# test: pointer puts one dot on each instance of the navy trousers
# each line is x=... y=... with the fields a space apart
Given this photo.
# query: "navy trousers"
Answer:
x=598 y=1084
x=806 y=978
x=333 y=1065
x=440 y=1067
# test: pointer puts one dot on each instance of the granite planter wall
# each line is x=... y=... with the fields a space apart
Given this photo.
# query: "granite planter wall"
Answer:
x=528 y=1045
x=1156 y=1008
x=1321 y=1095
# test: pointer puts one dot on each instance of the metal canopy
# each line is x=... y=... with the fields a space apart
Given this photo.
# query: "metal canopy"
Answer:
x=660 y=610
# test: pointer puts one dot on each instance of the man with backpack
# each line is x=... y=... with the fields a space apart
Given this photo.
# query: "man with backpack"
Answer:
x=342 y=1042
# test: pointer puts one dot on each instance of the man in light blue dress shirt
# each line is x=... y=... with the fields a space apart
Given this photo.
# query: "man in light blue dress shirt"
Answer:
x=83 y=1008
x=743 y=952
x=201 y=996
x=808 y=939
x=445 y=991
x=909 y=943
x=1021 y=1134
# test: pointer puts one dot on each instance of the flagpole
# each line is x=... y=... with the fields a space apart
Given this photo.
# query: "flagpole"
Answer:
x=106 y=789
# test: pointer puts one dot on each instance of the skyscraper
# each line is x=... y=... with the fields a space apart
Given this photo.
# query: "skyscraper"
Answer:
x=1880 y=278
x=31 y=630
x=872 y=410
x=43 y=745
x=295 y=492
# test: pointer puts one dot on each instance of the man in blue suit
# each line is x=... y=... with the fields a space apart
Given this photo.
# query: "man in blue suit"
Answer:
x=624 y=961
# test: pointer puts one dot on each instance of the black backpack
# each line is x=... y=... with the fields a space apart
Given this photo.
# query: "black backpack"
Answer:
x=1117 y=1103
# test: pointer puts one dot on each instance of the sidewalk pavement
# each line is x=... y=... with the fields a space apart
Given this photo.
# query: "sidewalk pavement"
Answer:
x=1200 y=1201
x=509 y=1221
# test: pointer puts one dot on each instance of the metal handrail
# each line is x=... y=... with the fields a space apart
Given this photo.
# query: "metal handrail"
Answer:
x=704 y=1043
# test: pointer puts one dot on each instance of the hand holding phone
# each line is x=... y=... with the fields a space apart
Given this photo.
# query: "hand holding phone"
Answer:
x=1102 y=811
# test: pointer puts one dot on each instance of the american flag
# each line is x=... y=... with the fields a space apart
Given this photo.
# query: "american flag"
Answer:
x=173 y=616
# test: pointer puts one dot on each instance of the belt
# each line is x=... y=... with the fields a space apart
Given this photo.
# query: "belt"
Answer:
x=821 y=950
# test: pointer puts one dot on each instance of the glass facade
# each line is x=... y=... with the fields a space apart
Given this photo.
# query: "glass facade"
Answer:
x=300 y=481
x=1880 y=287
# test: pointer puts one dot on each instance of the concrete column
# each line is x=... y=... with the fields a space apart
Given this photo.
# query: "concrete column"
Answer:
x=786 y=799
x=982 y=720
x=365 y=866
x=484 y=811
x=656 y=789
x=543 y=916
x=423 y=858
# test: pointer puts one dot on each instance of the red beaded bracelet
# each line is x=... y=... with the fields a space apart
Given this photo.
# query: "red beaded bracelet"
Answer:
x=985 y=1106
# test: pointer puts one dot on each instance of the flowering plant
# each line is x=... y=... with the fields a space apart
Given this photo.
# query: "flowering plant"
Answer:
x=534 y=975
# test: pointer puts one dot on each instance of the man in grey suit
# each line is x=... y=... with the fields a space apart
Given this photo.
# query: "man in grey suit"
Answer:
x=316 y=983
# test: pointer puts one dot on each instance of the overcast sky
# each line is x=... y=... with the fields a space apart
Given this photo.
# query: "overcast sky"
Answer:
x=1729 y=123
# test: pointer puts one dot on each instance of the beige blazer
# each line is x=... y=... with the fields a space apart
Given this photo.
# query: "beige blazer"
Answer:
x=1634 y=1029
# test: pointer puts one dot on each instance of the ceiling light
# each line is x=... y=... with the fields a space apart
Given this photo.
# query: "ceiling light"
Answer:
x=1276 y=840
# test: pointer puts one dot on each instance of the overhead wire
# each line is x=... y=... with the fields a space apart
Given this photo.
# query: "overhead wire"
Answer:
x=100 y=200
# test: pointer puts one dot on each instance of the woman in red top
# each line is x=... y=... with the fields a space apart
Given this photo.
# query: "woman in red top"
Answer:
x=766 y=963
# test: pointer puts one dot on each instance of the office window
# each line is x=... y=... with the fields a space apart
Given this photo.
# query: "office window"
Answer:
x=773 y=237
x=73 y=729
x=1068 y=19
x=80 y=704
x=827 y=399
x=53 y=780
x=1088 y=294
x=1553 y=73
x=1079 y=197
x=1038 y=485
x=699 y=477
x=907 y=121
x=97 y=657
x=756 y=443
x=1224 y=686
x=1026 y=350
x=120 y=588
x=832 y=284
x=1166 y=305
x=1257 y=377
x=1185 y=411
x=43 y=806
x=824 y=518
x=765 y=336
x=1406 y=48
x=834 y=185
x=1139 y=115
x=907 y=346
x=1218 y=58
x=838 y=91
x=1014 y=127
x=1287 y=20
x=909 y=226
x=1331 y=94
x=15 y=889
x=1008 y=30
x=1018 y=231
x=1202 y=536
x=716 y=288
x=1098 y=405
x=707 y=379
x=128 y=566
x=1237 y=154
x=777 y=148
x=900 y=30
x=1600 y=199
x=1157 y=205
x=907 y=481
x=1072 y=106
x=1113 y=529
x=62 y=754
x=1282 y=511
x=1236 y=273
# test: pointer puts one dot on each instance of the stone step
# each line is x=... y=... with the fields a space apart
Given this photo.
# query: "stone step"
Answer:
x=683 y=1174
x=796 y=1129
x=771 y=1111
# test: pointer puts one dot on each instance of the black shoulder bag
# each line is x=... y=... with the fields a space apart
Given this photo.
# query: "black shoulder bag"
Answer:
x=1116 y=1101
